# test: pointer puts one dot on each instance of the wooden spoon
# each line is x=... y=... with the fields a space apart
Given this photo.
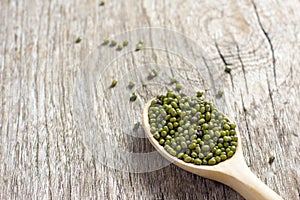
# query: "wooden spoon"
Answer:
x=233 y=172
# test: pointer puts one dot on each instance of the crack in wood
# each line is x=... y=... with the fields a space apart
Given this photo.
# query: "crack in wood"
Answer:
x=220 y=54
x=247 y=127
x=243 y=67
x=210 y=75
x=225 y=63
x=268 y=40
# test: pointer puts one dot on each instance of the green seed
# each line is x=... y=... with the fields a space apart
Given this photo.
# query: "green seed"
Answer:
x=113 y=43
x=226 y=144
x=78 y=40
x=193 y=110
x=217 y=134
x=197 y=161
x=226 y=127
x=138 y=47
x=205 y=147
x=194 y=154
x=178 y=86
x=234 y=138
x=212 y=161
x=133 y=97
x=271 y=159
x=223 y=133
x=170 y=125
x=168 y=137
x=192 y=145
x=188 y=151
x=167 y=142
x=136 y=126
x=178 y=148
x=175 y=124
x=218 y=159
x=114 y=83
x=152 y=129
x=227 y=69
x=183 y=145
x=152 y=74
x=161 y=141
x=230 y=154
x=187 y=159
x=233 y=148
x=205 y=126
x=102 y=3
x=201 y=155
x=131 y=85
x=209 y=155
x=223 y=157
x=173 y=119
x=125 y=43
x=206 y=137
x=174 y=104
x=163 y=133
x=180 y=155
x=218 y=152
x=200 y=93
x=173 y=80
x=207 y=116
x=167 y=147
x=201 y=121
x=202 y=109
x=220 y=93
x=184 y=156
x=233 y=126
x=156 y=136
x=105 y=41
x=173 y=152
x=119 y=48
x=227 y=138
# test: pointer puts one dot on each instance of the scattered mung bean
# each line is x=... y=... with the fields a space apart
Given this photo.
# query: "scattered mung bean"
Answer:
x=102 y=3
x=78 y=40
x=113 y=43
x=105 y=41
x=133 y=97
x=119 y=48
x=271 y=159
x=131 y=84
x=114 y=83
x=125 y=43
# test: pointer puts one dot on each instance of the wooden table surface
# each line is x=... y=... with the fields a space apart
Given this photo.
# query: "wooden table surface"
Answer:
x=64 y=134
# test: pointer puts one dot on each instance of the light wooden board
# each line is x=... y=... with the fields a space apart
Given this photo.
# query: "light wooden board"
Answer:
x=43 y=152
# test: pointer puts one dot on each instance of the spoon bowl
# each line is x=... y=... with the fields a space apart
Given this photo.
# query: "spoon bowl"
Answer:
x=233 y=172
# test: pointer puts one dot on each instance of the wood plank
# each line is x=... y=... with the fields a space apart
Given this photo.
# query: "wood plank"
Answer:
x=43 y=133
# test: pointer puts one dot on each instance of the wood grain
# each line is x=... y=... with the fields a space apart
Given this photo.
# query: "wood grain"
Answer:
x=42 y=153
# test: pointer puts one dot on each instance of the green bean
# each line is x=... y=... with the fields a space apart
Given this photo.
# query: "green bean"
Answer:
x=125 y=43
x=190 y=128
x=114 y=83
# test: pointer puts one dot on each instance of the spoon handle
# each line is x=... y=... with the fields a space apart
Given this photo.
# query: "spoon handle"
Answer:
x=242 y=180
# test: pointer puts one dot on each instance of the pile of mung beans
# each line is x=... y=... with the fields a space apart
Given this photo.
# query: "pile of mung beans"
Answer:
x=192 y=129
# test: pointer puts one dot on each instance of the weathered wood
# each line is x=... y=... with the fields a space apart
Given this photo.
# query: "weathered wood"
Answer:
x=44 y=135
